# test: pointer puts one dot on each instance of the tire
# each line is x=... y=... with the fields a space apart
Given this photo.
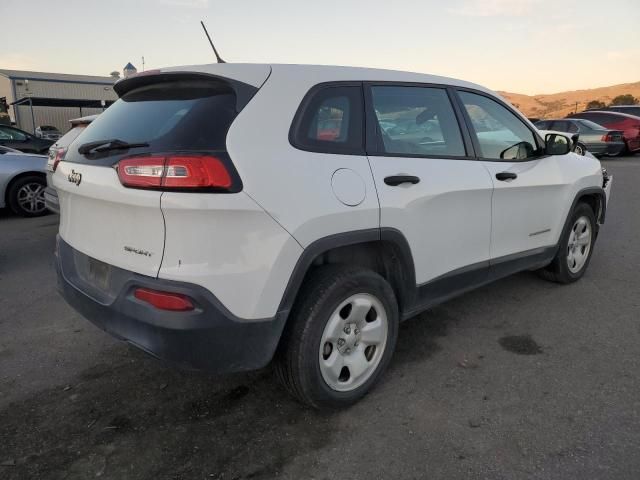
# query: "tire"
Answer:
x=329 y=325
x=572 y=258
x=580 y=149
x=624 y=152
x=26 y=196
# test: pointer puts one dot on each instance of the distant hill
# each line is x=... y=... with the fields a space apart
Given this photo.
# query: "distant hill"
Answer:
x=561 y=104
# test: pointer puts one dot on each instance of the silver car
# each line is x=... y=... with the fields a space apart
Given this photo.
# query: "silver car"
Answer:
x=22 y=182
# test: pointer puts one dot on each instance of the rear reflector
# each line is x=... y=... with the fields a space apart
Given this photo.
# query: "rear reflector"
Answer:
x=174 y=302
x=175 y=171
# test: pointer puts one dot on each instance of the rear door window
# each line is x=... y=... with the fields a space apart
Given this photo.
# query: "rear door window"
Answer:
x=564 y=126
x=571 y=127
x=416 y=121
x=330 y=120
x=172 y=116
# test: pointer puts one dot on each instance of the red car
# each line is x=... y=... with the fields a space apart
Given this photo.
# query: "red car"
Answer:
x=629 y=124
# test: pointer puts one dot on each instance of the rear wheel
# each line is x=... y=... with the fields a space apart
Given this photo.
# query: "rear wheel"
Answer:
x=340 y=337
x=26 y=196
x=576 y=247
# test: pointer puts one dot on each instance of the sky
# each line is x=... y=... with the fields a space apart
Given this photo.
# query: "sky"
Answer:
x=524 y=46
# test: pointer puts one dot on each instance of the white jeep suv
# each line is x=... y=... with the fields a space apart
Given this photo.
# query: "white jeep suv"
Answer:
x=221 y=216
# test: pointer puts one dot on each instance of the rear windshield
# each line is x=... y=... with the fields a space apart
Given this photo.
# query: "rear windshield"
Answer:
x=47 y=128
x=170 y=116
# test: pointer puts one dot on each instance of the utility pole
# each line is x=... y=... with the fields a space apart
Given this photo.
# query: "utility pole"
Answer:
x=143 y=63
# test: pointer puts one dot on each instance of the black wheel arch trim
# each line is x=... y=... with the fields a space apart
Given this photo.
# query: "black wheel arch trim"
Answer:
x=590 y=191
x=392 y=236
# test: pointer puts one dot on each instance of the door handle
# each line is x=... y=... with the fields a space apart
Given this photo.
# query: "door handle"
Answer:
x=502 y=176
x=396 y=180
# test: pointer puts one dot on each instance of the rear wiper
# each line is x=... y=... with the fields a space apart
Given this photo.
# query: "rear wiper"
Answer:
x=106 y=145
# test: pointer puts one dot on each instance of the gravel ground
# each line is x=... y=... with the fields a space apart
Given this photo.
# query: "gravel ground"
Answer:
x=520 y=379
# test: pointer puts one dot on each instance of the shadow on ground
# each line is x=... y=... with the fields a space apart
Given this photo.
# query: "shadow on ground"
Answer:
x=180 y=424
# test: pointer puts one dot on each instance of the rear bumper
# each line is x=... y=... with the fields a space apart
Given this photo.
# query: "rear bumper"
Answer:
x=51 y=200
x=611 y=149
x=208 y=338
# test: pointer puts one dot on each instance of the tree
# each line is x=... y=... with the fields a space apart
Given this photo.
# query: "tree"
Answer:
x=595 y=104
x=626 y=99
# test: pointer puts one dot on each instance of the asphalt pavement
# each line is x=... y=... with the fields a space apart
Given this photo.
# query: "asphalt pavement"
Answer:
x=519 y=379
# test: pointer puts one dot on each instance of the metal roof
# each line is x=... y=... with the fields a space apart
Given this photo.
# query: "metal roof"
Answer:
x=53 y=77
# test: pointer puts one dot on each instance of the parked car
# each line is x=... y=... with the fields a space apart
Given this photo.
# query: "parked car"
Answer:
x=56 y=155
x=628 y=124
x=628 y=109
x=48 y=132
x=22 y=182
x=20 y=140
x=592 y=137
x=8 y=150
x=184 y=236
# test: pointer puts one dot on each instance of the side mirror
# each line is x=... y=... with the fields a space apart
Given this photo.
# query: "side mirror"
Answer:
x=519 y=151
x=556 y=144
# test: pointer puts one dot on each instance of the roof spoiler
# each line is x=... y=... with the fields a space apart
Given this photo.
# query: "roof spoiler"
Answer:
x=244 y=92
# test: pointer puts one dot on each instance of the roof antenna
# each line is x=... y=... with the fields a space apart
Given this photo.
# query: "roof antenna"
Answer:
x=220 y=60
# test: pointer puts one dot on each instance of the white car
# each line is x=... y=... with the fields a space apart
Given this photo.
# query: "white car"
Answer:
x=221 y=216
x=57 y=152
x=48 y=132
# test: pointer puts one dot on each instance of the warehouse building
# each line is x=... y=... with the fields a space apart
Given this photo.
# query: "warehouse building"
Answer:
x=36 y=98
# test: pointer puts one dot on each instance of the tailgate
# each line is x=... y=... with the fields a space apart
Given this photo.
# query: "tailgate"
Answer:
x=106 y=221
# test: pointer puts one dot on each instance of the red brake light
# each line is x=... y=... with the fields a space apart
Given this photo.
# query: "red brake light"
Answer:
x=196 y=172
x=60 y=153
x=174 y=171
x=174 y=302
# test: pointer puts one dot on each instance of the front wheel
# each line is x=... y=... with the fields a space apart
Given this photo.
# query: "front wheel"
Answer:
x=576 y=247
x=341 y=336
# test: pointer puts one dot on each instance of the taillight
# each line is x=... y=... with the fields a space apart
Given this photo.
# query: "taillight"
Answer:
x=196 y=172
x=60 y=153
x=607 y=137
x=175 y=171
x=141 y=172
x=174 y=302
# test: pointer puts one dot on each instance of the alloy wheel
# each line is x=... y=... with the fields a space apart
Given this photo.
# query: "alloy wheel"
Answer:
x=579 y=244
x=30 y=198
x=353 y=342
